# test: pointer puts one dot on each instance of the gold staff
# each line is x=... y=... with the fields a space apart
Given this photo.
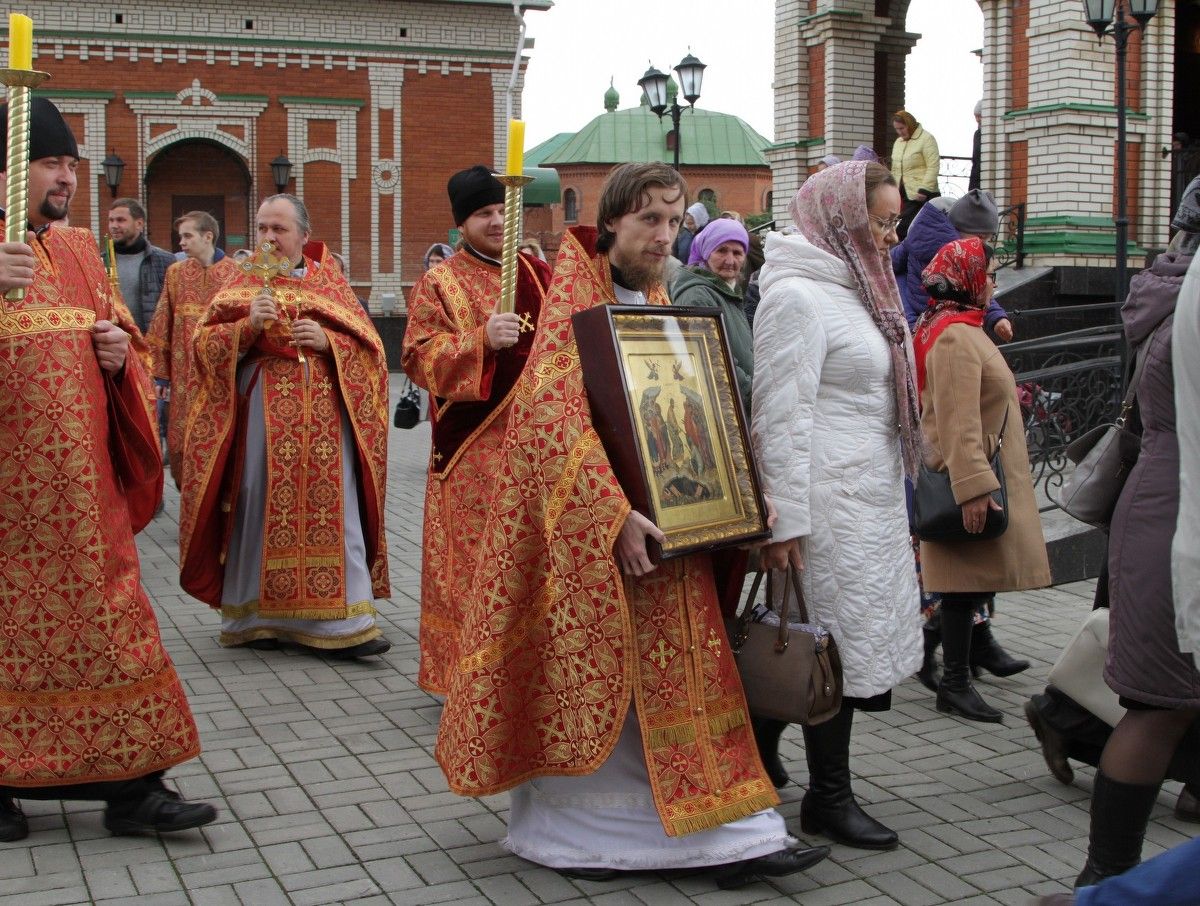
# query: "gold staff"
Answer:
x=514 y=183
x=21 y=78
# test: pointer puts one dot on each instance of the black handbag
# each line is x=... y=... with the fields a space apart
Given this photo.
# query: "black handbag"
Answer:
x=936 y=515
x=408 y=408
x=790 y=672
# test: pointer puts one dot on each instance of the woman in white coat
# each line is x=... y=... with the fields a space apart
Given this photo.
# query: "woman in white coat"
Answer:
x=835 y=429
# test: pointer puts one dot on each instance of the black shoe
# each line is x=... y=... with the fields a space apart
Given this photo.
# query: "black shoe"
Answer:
x=590 y=874
x=773 y=865
x=829 y=806
x=1120 y=813
x=377 y=645
x=928 y=674
x=13 y=826
x=1054 y=744
x=956 y=695
x=987 y=654
x=766 y=737
x=159 y=811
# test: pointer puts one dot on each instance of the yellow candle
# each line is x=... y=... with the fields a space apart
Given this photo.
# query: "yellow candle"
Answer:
x=516 y=148
x=20 y=41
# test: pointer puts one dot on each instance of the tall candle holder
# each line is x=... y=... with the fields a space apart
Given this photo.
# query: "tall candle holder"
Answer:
x=514 y=190
x=21 y=83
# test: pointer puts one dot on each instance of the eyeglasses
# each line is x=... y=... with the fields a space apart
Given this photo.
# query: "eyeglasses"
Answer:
x=888 y=225
x=992 y=276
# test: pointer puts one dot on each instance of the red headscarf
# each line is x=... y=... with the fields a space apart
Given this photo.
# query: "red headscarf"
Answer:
x=960 y=269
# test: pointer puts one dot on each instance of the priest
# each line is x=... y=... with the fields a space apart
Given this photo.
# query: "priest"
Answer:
x=285 y=459
x=598 y=687
x=90 y=705
x=468 y=356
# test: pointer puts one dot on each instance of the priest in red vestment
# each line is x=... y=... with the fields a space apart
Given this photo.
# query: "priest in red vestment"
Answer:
x=468 y=356
x=90 y=704
x=285 y=456
x=188 y=287
x=597 y=687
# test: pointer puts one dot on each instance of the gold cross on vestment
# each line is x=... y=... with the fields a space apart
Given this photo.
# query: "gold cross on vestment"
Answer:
x=662 y=654
x=526 y=323
x=437 y=457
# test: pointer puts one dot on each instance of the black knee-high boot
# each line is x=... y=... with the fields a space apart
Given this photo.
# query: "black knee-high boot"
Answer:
x=932 y=633
x=955 y=693
x=1120 y=813
x=829 y=806
x=766 y=736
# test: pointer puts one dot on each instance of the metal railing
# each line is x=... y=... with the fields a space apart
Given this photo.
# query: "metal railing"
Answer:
x=1010 y=239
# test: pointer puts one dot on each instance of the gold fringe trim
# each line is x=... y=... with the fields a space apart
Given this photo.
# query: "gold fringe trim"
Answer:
x=708 y=820
x=677 y=735
x=723 y=723
x=331 y=612
x=283 y=562
x=322 y=561
x=233 y=639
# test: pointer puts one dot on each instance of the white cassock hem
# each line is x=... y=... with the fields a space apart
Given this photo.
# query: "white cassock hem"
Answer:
x=608 y=820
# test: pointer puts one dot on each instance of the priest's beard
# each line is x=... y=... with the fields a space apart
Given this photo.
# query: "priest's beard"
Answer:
x=641 y=274
x=51 y=211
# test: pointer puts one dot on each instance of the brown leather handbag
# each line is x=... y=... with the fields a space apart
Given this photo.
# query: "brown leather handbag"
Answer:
x=790 y=672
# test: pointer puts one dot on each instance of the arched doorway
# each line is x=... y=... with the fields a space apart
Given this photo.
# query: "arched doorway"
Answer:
x=1185 y=131
x=198 y=175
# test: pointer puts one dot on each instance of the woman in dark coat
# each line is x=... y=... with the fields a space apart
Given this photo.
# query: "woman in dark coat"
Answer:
x=1158 y=684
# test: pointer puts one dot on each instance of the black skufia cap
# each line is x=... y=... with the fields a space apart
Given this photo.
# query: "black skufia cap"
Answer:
x=472 y=189
x=49 y=134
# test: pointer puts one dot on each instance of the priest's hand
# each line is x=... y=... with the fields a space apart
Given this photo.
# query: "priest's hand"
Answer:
x=112 y=345
x=16 y=265
x=782 y=554
x=632 y=555
x=262 y=310
x=307 y=332
x=503 y=330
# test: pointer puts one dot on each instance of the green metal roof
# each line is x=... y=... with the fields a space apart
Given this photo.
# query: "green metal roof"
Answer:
x=636 y=134
x=536 y=155
x=545 y=188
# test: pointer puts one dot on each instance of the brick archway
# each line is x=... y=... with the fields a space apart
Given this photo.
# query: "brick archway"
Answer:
x=198 y=174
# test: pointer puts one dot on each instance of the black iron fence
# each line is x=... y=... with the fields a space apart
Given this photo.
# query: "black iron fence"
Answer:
x=1010 y=238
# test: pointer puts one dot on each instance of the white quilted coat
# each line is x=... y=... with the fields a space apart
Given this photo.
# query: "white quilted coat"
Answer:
x=825 y=435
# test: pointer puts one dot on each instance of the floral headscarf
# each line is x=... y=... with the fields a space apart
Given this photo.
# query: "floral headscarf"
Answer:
x=831 y=211
x=958 y=275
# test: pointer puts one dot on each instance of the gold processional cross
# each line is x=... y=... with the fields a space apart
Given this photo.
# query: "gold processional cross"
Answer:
x=267 y=264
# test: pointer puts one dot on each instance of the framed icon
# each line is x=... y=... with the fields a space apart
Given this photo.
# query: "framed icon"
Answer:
x=665 y=404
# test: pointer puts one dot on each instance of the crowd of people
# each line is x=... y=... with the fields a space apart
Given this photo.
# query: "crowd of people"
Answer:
x=580 y=672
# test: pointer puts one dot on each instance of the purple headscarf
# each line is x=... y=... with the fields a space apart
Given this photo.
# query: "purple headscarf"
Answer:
x=831 y=211
x=717 y=233
x=865 y=152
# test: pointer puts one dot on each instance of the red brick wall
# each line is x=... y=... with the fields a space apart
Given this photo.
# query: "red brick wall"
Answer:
x=816 y=90
x=1020 y=54
x=1018 y=162
x=195 y=168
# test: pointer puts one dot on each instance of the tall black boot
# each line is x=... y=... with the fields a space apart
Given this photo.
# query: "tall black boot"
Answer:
x=766 y=737
x=955 y=693
x=1120 y=813
x=987 y=653
x=932 y=633
x=829 y=807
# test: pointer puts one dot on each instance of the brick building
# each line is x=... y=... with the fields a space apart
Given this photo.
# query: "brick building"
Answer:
x=721 y=158
x=374 y=103
x=1049 y=116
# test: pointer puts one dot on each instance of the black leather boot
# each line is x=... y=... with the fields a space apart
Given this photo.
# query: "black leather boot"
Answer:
x=955 y=694
x=158 y=811
x=1120 y=813
x=987 y=653
x=932 y=633
x=13 y=825
x=829 y=806
x=766 y=737
x=773 y=865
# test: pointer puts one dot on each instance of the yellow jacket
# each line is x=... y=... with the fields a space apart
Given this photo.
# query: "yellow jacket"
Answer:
x=915 y=163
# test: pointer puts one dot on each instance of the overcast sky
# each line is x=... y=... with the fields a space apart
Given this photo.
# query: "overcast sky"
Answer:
x=580 y=44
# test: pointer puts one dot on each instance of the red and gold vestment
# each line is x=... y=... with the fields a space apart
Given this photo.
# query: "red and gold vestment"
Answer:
x=87 y=692
x=187 y=289
x=446 y=353
x=303 y=572
x=556 y=644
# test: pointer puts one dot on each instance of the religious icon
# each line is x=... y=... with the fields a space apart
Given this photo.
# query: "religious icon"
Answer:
x=665 y=404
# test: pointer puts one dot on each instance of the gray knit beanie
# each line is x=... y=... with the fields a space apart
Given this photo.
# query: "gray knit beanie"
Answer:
x=975 y=213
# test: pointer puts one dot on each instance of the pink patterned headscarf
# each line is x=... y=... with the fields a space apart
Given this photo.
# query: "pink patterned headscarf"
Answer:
x=831 y=211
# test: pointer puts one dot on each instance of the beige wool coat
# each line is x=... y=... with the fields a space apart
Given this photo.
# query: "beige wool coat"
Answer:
x=968 y=389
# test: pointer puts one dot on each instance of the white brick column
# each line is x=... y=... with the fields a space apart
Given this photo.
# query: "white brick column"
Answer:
x=387 y=85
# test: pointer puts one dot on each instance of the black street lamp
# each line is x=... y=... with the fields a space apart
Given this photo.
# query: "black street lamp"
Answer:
x=113 y=168
x=654 y=84
x=281 y=172
x=1107 y=17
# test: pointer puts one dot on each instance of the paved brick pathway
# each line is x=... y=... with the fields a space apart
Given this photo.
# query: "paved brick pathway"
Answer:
x=328 y=791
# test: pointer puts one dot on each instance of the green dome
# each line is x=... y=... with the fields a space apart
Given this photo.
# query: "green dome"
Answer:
x=636 y=134
x=612 y=98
